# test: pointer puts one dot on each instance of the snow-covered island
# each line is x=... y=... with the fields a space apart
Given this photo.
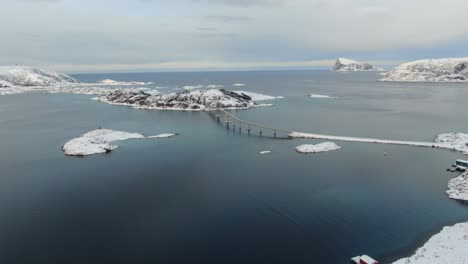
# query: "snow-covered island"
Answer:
x=11 y=76
x=99 y=141
x=321 y=147
x=343 y=64
x=198 y=100
x=433 y=70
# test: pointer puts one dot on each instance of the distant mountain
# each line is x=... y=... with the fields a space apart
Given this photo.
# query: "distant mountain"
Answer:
x=11 y=76
x=433 y=70
x=343 y=64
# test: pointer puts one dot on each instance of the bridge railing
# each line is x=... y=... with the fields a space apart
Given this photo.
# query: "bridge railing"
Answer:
x=237 y=125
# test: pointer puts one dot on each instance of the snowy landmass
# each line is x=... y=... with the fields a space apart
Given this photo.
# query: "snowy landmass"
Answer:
x=99 y=141
x=198 y=100
x=22 y=76
x=121 y=83
x=434 y=70
x=458 y=188
x=343 y=64
x=448 y=246
x=239 y=84
x=322 y=147
x=322 y=96
x=456 y=141
x=264 y=152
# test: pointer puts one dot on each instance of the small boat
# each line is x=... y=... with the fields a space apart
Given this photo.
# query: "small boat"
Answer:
x=364 y=259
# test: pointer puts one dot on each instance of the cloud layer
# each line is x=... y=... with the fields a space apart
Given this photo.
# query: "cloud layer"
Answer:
x=227 y=32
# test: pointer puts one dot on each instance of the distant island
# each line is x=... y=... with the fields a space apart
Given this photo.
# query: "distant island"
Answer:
x=23 y=76
x=343 y=64
x=431 y=70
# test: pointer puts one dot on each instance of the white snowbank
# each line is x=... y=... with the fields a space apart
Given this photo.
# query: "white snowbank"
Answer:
x=113 y=82
x=322 y=96
x=448 y=246
x=264 y=152
x=458 y=188
x=23 y=76
x=257 y=96
x=322 y=147
x=432 y=70
x=99 y=141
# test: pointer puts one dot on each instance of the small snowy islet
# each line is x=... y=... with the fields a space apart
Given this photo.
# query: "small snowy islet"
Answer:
x=317 y=148
x=99 y=141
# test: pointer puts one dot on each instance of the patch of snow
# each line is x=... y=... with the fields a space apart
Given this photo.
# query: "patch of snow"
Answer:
x=239 y=84
x=448 y=246
x=99 y=141
x=322 y=147
x=456 y=141
x=279 y=97
x=322 y=96
x=264 y=152
x=432 y=70
x=257 y=96
x=458 y=188
x=343 y=64
x=122 y=83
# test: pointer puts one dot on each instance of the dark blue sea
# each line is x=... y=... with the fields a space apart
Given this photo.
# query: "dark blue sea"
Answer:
x=207 y=196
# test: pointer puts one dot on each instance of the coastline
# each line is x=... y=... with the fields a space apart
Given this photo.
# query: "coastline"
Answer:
x=450 y=243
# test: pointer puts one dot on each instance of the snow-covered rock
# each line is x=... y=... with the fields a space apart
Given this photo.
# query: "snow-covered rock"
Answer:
x=22 y=76
x=458 y=188
x=322 y=147
x=99 y=141
x=198 y=100
x=434 y=70
x=322 y=96
x=239 y=84
x=257 y=96
x=447 y=247
x=456 y=141
x=113 y=82
x=343 y=64
x=264 y=152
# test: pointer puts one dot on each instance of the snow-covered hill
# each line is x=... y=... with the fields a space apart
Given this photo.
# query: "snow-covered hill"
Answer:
x=343 y=64
x=198 y=100
x=435 y=70
x=11 y=76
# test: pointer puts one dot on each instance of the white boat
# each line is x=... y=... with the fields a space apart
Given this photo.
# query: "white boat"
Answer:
x=364 y=259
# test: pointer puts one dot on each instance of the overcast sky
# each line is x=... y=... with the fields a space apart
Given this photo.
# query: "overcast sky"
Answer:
x=147 y=35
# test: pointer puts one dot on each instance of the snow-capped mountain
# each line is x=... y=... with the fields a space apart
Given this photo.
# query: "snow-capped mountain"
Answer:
x=343 y=64
x=11 y=76
x=197 y=100
x=433 y=70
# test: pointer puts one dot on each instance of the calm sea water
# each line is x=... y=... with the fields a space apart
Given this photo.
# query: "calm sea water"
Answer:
x=207 y=196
